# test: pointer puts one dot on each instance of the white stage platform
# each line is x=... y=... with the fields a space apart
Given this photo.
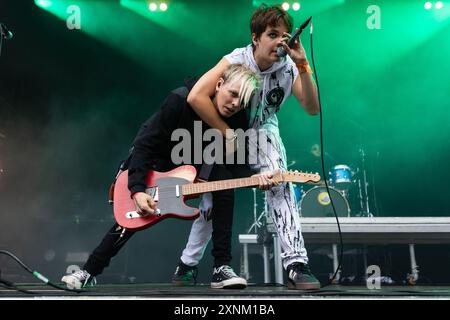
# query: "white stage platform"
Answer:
x=358 y=230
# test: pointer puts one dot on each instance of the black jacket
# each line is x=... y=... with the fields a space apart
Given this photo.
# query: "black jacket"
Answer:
x=152 y=146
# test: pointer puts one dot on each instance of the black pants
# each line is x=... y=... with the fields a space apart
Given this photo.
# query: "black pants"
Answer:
x=222 y=220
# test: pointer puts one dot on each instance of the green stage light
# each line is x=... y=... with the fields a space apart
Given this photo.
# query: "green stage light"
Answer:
x=296 y=6
x=43 y=3
x=153 y=6
x=163 y=6
x=285 y=6
x=57 y=7
x=428 y=5
x=439 y=5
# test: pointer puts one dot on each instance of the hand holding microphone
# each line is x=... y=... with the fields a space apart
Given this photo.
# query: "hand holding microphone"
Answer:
x=282 y=51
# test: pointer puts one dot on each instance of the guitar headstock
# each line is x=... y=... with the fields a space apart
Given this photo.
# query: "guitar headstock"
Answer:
x=298 y=176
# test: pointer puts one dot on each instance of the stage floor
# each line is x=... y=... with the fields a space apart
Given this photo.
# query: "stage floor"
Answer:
x=203 y=291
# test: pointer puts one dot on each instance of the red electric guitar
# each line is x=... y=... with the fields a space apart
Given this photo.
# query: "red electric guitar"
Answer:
x=172 y=188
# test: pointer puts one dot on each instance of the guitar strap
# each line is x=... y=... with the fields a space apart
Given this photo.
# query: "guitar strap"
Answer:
x=205 y=171
x=122 y=167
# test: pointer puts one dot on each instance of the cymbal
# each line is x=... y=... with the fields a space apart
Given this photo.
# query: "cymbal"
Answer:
x=319 y=183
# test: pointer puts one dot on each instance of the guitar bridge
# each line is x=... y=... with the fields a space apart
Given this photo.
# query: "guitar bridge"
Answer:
x=135 y=215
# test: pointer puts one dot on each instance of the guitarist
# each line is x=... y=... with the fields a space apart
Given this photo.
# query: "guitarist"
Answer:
x=152 y=150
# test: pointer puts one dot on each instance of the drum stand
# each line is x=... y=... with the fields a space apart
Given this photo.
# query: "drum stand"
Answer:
x=260 y=230
x=257 y=220
x=267 y=235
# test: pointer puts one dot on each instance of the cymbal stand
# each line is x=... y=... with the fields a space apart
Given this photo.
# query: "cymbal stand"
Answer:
x=365 y=208
x=360 y=196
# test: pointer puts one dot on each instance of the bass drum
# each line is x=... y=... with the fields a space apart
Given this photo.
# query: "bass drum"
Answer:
x=316 y=203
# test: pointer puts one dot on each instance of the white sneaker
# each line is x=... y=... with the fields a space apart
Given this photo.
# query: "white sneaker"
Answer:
x=79 y=279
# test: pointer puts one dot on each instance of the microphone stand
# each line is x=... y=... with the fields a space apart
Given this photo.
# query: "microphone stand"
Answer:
x=1 y=41
x=3 y=35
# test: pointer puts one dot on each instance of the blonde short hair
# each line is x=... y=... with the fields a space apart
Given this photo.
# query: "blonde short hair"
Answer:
x=250 y=81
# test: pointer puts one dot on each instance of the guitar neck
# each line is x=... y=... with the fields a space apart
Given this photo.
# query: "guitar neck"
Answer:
x=199 y=188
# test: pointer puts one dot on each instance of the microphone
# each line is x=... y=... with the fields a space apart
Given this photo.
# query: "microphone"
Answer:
x=4 y=32
x=280 y=51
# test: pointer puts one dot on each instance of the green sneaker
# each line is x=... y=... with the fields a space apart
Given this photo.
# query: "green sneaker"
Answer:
x=185 y=275
x=301 y=278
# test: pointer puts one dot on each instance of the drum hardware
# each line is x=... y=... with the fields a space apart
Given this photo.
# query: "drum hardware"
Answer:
x=291 y=164
x=341 y=177
x=316 y=202
x=348 y=181
x=365 y=184
x=298 y=192
x=363 y=192
x=257 y=223
x=263 y=228
x=360 y=196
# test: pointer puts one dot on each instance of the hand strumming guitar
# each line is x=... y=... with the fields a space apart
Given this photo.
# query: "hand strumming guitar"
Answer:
x=144 y=203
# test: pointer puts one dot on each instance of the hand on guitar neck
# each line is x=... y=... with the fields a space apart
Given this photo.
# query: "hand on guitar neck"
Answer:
x=266 y=180
x=145 y=204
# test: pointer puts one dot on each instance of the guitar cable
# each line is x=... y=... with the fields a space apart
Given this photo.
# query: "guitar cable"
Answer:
x=38 y=275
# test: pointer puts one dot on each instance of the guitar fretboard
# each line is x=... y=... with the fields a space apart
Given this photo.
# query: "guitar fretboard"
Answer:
x=197 y=188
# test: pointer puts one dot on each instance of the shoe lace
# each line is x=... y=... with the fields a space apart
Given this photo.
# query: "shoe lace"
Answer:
x=299 y=267
x=227 y=270
x=81 y=275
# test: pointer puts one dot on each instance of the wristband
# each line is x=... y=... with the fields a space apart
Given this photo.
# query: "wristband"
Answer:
x=304 y=67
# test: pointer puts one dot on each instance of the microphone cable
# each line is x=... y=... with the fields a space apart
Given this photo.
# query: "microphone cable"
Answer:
x=44 y=279
x=323 y=162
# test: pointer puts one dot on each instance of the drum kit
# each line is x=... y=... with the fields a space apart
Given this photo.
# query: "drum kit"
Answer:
x=348 y=190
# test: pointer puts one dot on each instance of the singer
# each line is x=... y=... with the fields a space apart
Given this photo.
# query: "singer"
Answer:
x=282 y=76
